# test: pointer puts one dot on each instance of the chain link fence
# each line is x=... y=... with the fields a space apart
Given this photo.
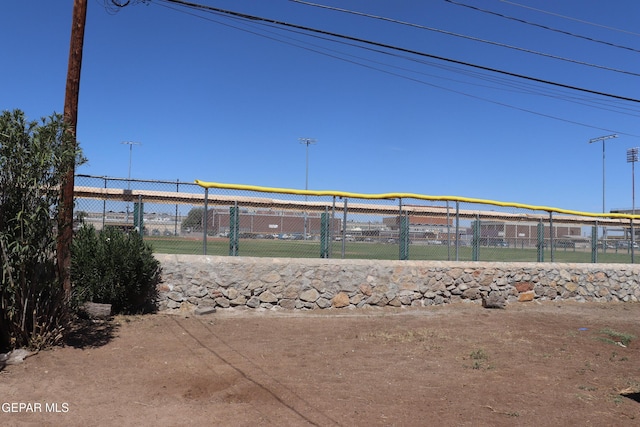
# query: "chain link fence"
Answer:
x=236 y=220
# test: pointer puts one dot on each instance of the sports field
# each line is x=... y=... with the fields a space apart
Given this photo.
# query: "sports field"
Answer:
x=373 y=250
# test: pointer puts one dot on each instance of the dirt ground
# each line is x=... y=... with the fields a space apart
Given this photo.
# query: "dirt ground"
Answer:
x=531 y=364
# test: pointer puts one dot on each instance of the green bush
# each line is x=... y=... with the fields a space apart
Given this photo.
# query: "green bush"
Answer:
x=35 y=157
x=113 y=267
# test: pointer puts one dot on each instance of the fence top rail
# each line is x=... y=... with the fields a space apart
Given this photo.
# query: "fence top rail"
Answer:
x=101 y=193
x=151 y=181
x=381 y=196
x=132 y=195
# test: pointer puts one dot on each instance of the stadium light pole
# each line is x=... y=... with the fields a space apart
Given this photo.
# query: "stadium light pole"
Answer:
x=130 y=144
x=603 y=139
x=632 y=157
x=307 y=142
x=591 y=141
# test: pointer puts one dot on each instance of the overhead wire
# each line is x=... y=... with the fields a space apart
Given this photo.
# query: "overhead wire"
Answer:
x=517 y=86
x=401 y=49
x=463 y=36
x=475 y=74
x=545 y=27
x=570 y=18
x=413 y=71
x=501 y=79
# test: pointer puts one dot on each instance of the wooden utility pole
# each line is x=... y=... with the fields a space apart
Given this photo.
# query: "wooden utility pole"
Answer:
x=65 y=218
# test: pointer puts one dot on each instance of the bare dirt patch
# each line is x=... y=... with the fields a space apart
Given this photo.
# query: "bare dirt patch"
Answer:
x=531 y=364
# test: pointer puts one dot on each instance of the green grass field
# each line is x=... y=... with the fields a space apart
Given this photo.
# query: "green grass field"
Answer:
x=362 y=250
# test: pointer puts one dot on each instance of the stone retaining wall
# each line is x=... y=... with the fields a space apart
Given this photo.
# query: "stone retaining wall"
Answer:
x=196 y=281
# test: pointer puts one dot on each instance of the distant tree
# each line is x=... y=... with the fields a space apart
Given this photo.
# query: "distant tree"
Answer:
x=34 y=159
x=193 y=220
x=81 y=215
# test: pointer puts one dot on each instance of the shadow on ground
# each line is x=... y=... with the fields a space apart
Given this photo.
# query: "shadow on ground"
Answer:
x=632 y=396
x=87 y=333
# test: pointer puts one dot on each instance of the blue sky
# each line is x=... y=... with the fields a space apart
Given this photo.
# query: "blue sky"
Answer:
x=225 y=100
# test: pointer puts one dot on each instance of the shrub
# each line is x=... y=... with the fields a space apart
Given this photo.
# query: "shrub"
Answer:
x=113 y=267
x=34 y=159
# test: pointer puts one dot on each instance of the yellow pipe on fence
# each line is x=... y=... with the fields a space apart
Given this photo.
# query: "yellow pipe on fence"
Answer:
x=379 y=196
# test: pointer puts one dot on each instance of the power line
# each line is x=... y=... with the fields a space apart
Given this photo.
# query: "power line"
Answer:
x=474 y=74
x=570 y=18
x=397 y=48
x=450 y=68
x=545 y=27
x=519 y=87
x=476 y=39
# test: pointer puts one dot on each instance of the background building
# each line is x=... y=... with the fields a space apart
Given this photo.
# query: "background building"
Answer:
x=270 y=222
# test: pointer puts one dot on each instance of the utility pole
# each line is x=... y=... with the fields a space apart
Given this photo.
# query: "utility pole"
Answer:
x=65 y=219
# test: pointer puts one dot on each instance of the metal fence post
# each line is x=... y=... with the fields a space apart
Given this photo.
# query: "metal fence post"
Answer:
x=234 y=228
x=205 y=221
x=344 y=228
x=399 y=223
x=138 y=218
x=324 y=233
x=448 y=234
x=104 y=204
x=594 y=243
x=540 y=243
x=404 y=236
x=403 y=233
x=633 y=241
x=457 y=231
x=551 y=232
x=475 y=255
x=331 y=229
x=175 y=231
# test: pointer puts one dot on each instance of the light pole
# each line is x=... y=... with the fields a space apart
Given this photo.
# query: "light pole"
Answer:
x=632 y=157
x=130 y=144
x=307 y=142
x=603 y=139
x=591 y=141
